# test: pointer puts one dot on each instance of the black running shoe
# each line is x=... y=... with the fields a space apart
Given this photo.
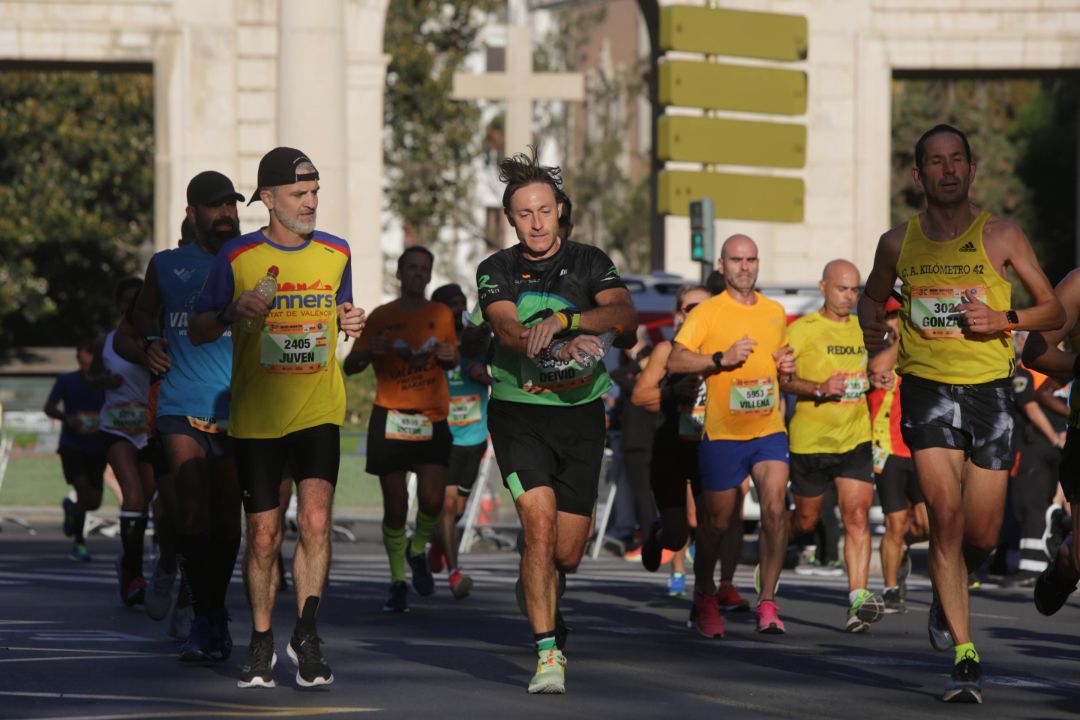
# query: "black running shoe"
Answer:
x=258 y=670
x=650 y=548
x=398 y=601
x=311 y=667
x=965 y=683
x=223 y=644
x=937 y=627
x=200 y=645
x=1051 y=592
x=894 y=601
x=1057 y=529
x=422 y=579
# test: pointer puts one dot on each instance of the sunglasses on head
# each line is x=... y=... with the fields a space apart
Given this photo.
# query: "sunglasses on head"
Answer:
x=688 y=308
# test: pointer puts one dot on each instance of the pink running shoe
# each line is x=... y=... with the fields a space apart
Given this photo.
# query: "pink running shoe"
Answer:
x=705 y=616
x=768 y=618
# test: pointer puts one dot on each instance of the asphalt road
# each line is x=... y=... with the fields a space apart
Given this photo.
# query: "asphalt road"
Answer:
x=69 y=649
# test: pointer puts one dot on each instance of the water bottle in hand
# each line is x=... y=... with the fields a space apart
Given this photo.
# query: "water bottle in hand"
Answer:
x=266 y=288
x=585 y=360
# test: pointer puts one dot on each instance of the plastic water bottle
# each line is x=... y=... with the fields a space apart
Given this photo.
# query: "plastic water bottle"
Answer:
x=585 y=360
x=267 y=289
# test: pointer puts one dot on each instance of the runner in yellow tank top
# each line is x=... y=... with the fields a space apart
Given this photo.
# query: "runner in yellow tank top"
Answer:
x=736 y=341
x=830 y=431
x=954 y=327
x=1042 y=353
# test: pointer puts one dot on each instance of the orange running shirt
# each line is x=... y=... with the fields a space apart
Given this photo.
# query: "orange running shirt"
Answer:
x=408 y=377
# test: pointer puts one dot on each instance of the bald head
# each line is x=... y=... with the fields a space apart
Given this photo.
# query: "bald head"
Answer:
x=739 y=245
x=840 y=287
x=836 y=269
x=739 y=263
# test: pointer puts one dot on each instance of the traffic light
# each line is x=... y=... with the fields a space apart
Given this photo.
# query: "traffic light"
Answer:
x=702 y=231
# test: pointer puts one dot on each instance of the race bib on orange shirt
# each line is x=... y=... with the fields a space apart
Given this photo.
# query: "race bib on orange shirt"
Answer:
x=415 y=427
x=934 y=309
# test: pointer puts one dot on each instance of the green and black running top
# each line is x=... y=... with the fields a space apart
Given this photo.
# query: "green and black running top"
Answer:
x=571 y=278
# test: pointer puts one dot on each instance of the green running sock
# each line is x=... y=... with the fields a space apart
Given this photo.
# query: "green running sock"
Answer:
x=393 y=540
x=964 y=651
x=425 y=526
x=546 y=644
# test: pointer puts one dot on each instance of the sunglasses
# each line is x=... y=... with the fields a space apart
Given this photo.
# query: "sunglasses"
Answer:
x=688 y=308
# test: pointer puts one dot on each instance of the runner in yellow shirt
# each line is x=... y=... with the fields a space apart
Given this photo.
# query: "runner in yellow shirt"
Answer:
x=736 y=340
x=830 y=431
x=956 y=360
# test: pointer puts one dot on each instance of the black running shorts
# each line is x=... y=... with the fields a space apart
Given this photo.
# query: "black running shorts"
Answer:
x=1069 y=473
x=387 y=455
x=465 y=466
x=558 y=446
x=974 y=418
x=811 y=473
x=897 y=485
x=261 y=463
x=76 y=464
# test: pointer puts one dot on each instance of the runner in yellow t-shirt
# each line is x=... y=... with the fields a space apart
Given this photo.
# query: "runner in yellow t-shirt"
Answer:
x=830 y=431
x=736 y=340
x=288 y=397
x=957 y=362
x=411 y=343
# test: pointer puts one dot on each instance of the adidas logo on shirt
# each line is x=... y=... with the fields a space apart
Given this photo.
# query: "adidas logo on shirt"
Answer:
x=968 y=247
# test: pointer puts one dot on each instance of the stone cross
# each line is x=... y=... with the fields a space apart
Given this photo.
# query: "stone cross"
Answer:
x=518 y=87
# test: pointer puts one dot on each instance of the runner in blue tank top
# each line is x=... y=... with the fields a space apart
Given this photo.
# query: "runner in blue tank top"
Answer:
x=192 y=416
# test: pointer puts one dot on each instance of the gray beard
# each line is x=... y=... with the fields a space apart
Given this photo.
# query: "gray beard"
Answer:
x=295 y=225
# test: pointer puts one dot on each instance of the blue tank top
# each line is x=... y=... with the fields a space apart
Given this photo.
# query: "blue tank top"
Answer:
x=468 y=406
x=197 y=384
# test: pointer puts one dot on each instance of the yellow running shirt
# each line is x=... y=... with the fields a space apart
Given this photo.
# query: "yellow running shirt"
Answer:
x=743 y=403
x=408 y=376
x=936 y=276
x=823 y=348
x=285 y=376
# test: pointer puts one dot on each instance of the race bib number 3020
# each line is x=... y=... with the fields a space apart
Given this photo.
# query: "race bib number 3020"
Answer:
x=934 y=309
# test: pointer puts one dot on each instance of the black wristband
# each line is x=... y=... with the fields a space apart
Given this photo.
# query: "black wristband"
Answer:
x=149 y=340
x=718 y=359
x=1076 y=367
x=220 y=316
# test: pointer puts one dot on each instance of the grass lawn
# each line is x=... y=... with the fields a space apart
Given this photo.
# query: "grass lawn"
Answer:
x=37 y=481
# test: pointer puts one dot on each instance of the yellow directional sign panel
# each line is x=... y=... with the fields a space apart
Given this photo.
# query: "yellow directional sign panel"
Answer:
x=721 y=141
x=740 y=33
x=719 y=86
x=739 y=197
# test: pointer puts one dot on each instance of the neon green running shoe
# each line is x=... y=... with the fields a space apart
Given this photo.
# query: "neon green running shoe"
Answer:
x=550 y=677
x=867 y=608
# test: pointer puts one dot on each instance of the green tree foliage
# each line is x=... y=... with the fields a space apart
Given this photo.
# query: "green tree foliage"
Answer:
x=607 y=184
x=1046 y=136
x=76 y=198
x=431 y=139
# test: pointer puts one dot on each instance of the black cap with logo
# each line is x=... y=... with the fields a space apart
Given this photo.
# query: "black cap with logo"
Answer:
x=210 y=188
x=279 y=167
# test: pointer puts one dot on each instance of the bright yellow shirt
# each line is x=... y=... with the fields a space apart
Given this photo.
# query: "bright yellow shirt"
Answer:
x=285 y=376
x=744 y=402
x=823 y=348
x=936 y=276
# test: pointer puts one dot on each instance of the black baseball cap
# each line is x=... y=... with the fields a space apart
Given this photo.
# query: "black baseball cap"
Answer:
x=211 y=187
x=278 y=167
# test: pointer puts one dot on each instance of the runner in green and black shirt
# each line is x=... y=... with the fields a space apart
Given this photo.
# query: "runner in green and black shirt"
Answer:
x=554 y=306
